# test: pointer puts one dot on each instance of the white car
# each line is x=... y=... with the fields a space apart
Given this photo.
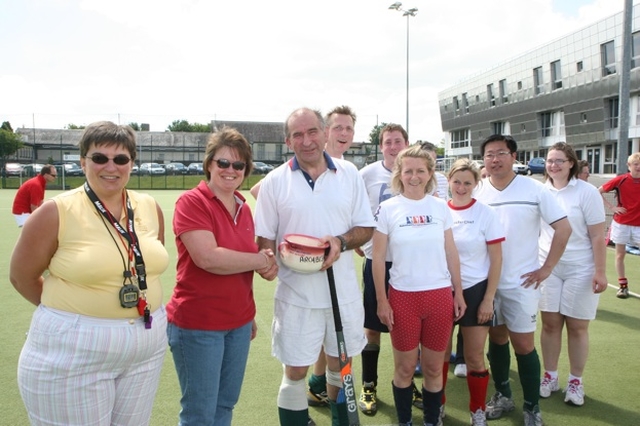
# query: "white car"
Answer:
x=152 y=169
x=519 y=168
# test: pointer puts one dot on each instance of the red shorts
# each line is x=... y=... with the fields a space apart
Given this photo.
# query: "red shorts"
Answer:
x=424 y=317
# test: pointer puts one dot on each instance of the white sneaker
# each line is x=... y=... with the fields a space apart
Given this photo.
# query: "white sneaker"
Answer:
x=460 y=370
x=478 y=418
x=574 y=393
x=548 y=385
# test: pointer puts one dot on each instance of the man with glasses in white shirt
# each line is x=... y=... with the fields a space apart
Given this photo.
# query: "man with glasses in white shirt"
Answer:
x=520 y=202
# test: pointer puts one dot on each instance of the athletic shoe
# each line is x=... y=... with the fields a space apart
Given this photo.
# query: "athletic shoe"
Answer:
x=622 y=293
x=478 y=418
x=574 y=393
x=368 y=403
x=548 y=385
x=533 y=417
x=460 y=370
x=317 y=399
x=498 y=405
x=417 y=396
x=310 y=422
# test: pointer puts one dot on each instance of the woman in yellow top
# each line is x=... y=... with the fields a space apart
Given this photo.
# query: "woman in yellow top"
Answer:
x=98 y=336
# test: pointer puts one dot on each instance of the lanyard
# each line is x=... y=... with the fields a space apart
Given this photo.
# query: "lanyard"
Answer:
x=128 y=234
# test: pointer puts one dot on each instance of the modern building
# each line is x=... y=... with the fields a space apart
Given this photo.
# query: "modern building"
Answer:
x=566 y=90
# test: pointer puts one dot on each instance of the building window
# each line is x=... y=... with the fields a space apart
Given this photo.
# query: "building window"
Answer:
x=490 y=96
x=538 y=82
x=583 y=117
x=260 y=151
x=498 y=128
x=519 y=85
x=608 y=58
x=612 y=112
x=556 y=75
x=546 y=124
x=465 y=103
x=456 y=103
x=502 y=88
x=551 y=123
x=460 y=138
x=635 y=50
x=579 y=66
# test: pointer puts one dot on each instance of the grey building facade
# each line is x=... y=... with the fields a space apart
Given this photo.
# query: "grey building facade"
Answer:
x=566 y=90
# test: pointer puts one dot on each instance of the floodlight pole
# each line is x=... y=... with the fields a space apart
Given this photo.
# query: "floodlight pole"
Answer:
x=408 y=13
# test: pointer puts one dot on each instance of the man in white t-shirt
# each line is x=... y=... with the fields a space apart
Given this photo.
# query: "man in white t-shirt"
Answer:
x=315 y=195
x=521 y=203
x=377 y=180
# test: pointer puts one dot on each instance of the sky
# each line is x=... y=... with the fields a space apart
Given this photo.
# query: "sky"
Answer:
x=156 y=61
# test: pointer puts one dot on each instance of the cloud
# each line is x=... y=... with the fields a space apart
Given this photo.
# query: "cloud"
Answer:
x=75 y=61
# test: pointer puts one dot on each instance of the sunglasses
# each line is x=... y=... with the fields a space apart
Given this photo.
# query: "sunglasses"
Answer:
x=120 y=160
x=224 y=164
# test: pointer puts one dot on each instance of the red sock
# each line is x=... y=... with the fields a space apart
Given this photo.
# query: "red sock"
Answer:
x=622 y=282
x=445 y=374
x=477 y=381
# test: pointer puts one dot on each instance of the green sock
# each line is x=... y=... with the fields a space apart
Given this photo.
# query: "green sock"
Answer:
x=318 y=384
x=529 y=372
x=339 y=414
x=500 y=363
x=293 y=418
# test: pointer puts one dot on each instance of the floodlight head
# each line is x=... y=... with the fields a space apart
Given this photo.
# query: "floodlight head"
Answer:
x=396 y=6
x=413 y=11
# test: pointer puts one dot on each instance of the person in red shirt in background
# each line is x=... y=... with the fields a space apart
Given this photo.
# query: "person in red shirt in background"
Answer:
x=31 y=194
x=625 y=227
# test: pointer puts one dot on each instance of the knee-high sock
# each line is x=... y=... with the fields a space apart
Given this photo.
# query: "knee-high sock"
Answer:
x=403 y=398
x=529 y=372
x=445 y=376
x=370 y=355
x=339 y=416
x=500 y=363
x=431 y=406
x=477 y=382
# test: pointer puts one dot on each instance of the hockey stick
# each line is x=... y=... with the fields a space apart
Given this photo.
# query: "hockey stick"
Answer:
x=348 y=392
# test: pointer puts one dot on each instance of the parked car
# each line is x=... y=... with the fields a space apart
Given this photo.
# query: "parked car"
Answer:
x=13 y=169
x=479 y=163
x=176 y=169
x=72 y=169
x=195 y=169
x=519 y=168
x=260 y=168
x=151 y=169
x=135 y=170
x=536 y=165
x=30 y=170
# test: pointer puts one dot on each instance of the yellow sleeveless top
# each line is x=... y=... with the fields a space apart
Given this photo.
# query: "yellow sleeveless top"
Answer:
x=85 y=273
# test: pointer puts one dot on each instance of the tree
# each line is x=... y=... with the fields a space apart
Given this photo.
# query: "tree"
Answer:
x=72 y=126
x=9 y=144
x=374 y=135
x=185 y=126
x=134 y=126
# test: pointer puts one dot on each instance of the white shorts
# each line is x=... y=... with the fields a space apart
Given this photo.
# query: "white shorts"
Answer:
x=569 y=291
x=517 y=308
x=624 y=234
x=21 y=218
x=299 y=333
